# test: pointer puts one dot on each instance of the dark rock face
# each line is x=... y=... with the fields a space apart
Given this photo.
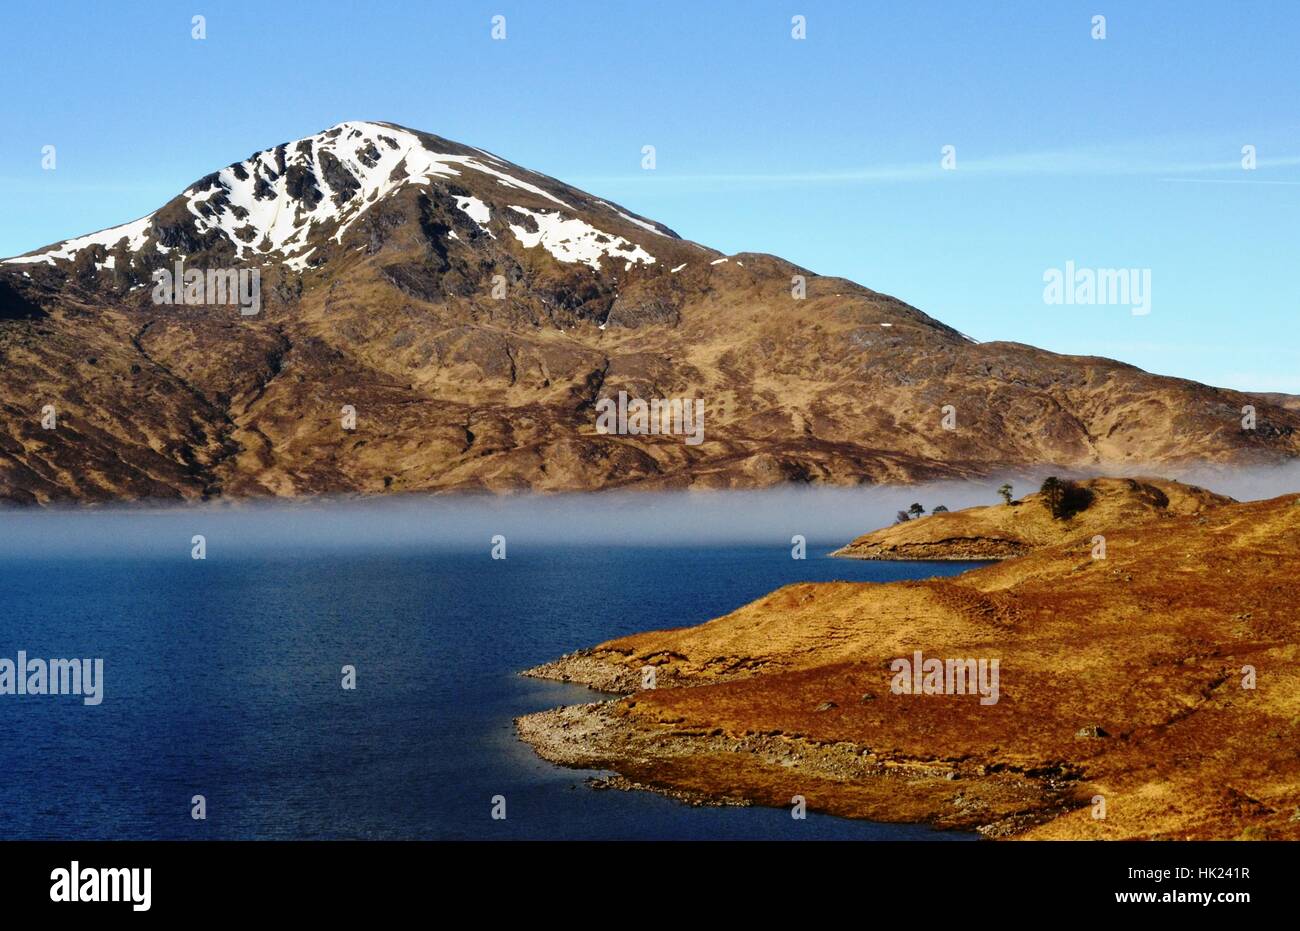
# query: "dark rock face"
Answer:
x=377 y=225
x=340 y=180
x=15 y=305
x=262 y=189
x=527 y=221
x=418 y=281
x=302 y=187
x=633 y=313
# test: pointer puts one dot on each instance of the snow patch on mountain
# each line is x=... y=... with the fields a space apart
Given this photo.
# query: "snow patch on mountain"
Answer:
x=273 y=204
x=136 y=233
x=274 y=201
x=476 y=210
x=573 y=240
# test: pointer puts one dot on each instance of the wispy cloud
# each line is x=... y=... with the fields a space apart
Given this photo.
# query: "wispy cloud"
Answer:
x=1137 y=160
x=1225 y=181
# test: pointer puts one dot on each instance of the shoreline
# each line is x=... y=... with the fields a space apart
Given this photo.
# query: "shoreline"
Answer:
x=839 y=554
x=1139 y=696
x=703 y=766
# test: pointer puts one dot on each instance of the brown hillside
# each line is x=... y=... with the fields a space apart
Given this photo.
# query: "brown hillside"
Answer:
x=1120 y=678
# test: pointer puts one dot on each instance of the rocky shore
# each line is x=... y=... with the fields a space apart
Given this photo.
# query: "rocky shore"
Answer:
x=701 y=766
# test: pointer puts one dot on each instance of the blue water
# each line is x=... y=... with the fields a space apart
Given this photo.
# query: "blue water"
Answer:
x=222 y=678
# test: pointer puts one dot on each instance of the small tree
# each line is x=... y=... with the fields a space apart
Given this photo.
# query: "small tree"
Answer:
x=1064 y=498
x=1053 y=492
x=916 y=510
x=1005 y=492
x=939 y=509
x=902 y=518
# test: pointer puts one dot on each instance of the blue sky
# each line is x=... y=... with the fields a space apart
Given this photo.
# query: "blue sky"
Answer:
x=1118 y=153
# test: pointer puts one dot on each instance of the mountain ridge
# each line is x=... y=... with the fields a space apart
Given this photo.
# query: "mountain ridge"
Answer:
x=473 y=315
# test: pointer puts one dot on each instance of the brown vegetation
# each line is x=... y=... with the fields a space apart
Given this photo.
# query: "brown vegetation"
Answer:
x=1122 y=678
x=1005 y=530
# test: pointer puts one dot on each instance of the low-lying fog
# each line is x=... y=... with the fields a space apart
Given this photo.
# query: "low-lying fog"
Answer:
x=824 y=516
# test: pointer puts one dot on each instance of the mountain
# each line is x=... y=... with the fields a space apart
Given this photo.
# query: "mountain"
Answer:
x=1289 y=401
x=1140 y=677
x=477 y=320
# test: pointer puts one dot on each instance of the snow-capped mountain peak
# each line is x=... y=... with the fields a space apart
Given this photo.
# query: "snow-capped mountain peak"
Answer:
x=285 y=204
